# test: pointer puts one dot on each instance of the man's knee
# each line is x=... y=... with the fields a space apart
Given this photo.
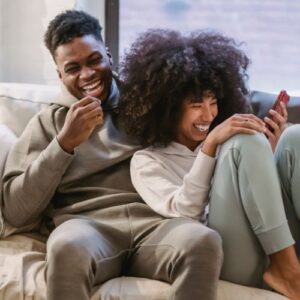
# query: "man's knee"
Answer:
x=194 y=239
x=68 y=246
x=206 y=241
x=67 y=251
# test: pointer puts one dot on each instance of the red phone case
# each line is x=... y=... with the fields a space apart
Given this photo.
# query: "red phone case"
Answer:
x=282 y=97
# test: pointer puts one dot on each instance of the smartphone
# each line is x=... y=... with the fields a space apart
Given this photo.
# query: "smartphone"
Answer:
x=282 y=97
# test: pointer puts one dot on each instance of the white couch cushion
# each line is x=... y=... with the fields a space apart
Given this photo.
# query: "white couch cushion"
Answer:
x=22 y=267
x=22 y=260
x=7 y=139
x=20 y=102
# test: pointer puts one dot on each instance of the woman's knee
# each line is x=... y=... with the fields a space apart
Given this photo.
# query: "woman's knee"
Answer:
x=255 y=142
x=290 y=139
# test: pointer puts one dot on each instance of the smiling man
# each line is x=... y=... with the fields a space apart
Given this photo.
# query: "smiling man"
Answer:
x=68 y=177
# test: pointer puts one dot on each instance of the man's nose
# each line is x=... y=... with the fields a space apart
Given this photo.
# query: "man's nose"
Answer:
x=86 y=72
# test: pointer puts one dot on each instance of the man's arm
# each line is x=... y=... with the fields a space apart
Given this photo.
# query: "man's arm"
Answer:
x=41 y=156
x=33 y=171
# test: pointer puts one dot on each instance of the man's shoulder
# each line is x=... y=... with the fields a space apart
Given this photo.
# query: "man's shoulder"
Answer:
x=51 y=110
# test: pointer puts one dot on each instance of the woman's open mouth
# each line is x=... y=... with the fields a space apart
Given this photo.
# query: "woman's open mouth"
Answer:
x=202 y=128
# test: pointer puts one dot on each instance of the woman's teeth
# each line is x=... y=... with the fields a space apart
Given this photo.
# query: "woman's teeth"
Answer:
x=202 y=127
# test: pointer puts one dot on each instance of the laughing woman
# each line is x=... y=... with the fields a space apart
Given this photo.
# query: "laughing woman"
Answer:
x=206 y=157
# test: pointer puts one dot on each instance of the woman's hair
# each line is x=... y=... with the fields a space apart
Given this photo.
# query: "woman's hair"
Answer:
x=163 y=67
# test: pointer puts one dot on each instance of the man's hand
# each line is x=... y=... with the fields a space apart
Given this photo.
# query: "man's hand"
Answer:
x=82 y=118
x=277 y=123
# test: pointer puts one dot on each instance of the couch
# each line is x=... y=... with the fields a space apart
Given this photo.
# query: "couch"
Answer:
x=22 y=256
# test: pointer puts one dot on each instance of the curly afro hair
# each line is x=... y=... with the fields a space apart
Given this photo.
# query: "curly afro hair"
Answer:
x=69 y=25
x=163 y=67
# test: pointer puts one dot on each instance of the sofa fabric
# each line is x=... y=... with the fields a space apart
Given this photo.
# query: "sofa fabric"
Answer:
x=261 y=103
x=22 y=257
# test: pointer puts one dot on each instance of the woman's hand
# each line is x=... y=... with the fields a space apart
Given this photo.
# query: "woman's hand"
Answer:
x=277 y=125
x=238 y=123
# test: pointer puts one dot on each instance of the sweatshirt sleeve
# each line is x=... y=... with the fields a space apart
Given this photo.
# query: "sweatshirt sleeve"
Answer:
x=33 y=172
x=171 y=194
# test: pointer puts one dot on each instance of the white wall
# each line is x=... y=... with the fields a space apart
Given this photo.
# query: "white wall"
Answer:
x=23 y=56
x=1 y=42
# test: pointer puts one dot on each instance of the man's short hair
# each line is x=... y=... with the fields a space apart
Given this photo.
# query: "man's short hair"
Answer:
x=69 y=25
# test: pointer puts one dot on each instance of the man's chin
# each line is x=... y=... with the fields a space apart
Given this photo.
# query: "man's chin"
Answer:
x=100 y=96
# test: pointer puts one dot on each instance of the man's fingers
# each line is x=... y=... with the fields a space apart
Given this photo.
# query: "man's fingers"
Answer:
x=95 y=113
x=91 y=106
x=86 y=101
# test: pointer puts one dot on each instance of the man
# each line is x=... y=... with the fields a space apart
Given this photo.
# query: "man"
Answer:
x=69 y=173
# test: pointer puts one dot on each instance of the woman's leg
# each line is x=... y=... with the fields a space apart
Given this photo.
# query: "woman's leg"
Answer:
x=246 y=208
x=287 y=157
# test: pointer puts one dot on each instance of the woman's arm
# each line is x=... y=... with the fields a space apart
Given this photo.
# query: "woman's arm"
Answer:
x=180 y=193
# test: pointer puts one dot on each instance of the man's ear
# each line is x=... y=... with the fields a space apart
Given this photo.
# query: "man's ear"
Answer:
x=59 y=74
x=109 y=56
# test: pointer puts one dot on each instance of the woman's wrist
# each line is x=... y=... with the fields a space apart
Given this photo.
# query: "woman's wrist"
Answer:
x=209 y=148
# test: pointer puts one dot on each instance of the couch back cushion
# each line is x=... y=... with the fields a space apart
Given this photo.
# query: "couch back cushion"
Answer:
x=7 y=138
x=262 y=102
x=20 y=102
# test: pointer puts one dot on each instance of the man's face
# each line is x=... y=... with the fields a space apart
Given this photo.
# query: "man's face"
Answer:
x=84 y=66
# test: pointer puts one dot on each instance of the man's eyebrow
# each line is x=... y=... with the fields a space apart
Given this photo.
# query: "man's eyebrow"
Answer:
x=70 y=64
x=75 y=63
x=95 y=53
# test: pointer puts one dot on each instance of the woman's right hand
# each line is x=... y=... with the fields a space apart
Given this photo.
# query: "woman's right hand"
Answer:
x=238 y=123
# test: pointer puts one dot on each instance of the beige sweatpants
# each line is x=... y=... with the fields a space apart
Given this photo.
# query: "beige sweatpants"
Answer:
x=86 y=250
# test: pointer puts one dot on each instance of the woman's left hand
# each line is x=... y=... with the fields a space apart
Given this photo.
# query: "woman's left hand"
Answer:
x=277 y=125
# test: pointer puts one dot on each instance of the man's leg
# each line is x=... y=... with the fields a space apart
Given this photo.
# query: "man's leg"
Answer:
x=182 y=252
x=82 y=253
x=246 y=208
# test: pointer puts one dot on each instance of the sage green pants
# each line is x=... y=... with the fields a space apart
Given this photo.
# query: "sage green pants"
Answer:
x=246 y=208
x=85 y=251
x=287 y=157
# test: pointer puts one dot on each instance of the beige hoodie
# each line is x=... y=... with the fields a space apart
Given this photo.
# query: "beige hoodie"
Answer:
x=41 y=179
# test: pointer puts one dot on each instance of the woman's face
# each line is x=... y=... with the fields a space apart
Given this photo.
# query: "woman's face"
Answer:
x=195 y=120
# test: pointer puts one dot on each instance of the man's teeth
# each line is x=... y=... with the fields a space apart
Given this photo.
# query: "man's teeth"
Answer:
x=91 y=86
x=202 y=127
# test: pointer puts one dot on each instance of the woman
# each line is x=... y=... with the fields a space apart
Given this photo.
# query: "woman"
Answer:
x=185 y=100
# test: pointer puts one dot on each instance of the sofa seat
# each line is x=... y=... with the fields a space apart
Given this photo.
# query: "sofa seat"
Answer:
x=22 y=257
x=22 y=266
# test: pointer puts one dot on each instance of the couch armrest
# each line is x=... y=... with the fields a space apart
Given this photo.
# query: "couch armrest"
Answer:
x=261 y=103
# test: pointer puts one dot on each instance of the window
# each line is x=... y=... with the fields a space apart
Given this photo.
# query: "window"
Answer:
x=270 y=30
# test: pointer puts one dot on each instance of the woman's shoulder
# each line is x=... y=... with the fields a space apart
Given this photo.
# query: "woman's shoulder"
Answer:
x=149 y=152
x=156 y=155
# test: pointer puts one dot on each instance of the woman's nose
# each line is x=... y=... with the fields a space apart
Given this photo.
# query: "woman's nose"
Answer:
x=207 y=114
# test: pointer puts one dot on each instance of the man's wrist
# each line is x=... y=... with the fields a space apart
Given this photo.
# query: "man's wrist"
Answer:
x=65 y=146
